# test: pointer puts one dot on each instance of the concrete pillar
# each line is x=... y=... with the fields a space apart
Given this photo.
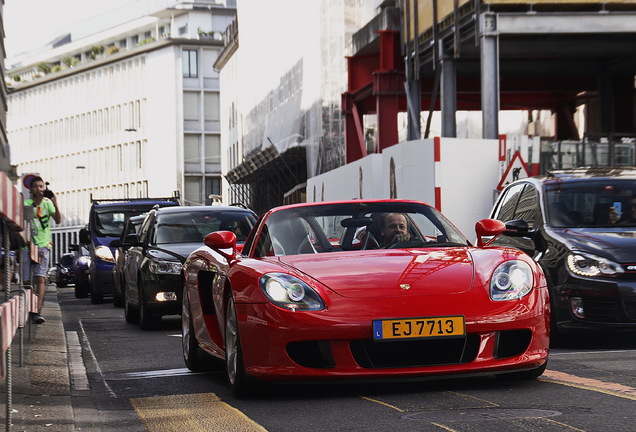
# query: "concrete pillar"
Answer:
x=448 y=94
x=489 y=51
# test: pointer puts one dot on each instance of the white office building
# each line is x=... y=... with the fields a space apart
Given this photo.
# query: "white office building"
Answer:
x=130 y=110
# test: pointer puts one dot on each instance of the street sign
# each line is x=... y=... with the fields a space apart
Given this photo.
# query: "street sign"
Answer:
x=517 y=169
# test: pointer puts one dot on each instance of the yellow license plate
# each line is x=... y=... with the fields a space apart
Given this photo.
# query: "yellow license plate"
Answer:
x=418 y=328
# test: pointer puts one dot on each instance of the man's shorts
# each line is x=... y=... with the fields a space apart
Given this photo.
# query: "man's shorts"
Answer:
x=39 y=269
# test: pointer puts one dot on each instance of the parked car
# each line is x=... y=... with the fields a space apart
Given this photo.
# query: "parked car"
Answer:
x=106 y=221
x=64 y=271
x=580 y=226
x=121 y=246
x=322 y=291
x=81 y=269
x=152 y=271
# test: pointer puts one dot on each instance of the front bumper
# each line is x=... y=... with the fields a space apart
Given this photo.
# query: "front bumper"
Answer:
x=101 y=277
x=337 y=343
x=606 y=304
x=162 y=294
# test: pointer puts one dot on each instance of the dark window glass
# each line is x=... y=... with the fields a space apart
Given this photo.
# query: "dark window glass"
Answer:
x=508 y=203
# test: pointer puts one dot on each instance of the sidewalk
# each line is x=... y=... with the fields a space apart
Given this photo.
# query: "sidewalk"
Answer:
x=42 y=386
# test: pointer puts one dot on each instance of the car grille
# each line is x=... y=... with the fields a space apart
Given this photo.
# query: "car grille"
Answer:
x=373 y=355
x=609 y=310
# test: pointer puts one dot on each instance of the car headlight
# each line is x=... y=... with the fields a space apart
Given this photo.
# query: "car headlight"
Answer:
x=83 y=260
x=584 y=264
x=511 y=280
x=290 y=293
x=63 y=270
x=104 y=253
x=165 y=267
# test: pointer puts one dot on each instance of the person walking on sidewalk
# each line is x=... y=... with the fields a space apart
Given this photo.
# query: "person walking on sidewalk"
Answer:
x=45 y=208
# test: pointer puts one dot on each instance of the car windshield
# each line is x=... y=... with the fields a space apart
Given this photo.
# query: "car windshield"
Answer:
x=193 y=226
x=110 y=221
x=354 y=226
x=591 y=203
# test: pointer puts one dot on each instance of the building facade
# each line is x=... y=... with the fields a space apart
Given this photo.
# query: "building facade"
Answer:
x=281 y=116
x=130 y=111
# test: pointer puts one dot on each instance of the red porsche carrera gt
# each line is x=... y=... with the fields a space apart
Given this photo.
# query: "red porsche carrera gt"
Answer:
x=363 y=289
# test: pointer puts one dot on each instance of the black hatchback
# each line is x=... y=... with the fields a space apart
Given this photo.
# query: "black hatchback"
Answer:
x=152 y=270
x=580 y=225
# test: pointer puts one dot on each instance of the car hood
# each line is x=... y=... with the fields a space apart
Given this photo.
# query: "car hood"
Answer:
x=616 y=243
x=168 y=251
x=388 y=273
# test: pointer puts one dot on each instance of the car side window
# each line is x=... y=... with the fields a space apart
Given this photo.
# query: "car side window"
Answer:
x=528 y=206
x=505 y=210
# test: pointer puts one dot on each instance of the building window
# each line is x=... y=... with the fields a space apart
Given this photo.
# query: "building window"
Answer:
x=191 y=106
x=122 y=43
x=147 y=35
x=211 y=106
x=212 y=187
x=212 y=149
x=190 y=64
x=192 y=191
x=195 y=194
x=191 y=149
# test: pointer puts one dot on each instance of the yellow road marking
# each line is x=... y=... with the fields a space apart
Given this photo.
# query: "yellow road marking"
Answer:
x=383 y=403
x=203 y=412
x=563 y=424
x=609 y=388
x=446 y=428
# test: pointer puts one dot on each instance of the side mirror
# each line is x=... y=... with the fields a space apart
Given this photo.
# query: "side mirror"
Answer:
x=131 y=240
x=84 y=236
x=488 y=228
x=223 y=242
x=519 y=228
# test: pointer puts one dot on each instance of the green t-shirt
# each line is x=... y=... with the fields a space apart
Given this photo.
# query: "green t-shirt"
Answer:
x=41 y=225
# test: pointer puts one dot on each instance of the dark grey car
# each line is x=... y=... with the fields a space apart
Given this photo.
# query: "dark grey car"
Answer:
x=580 y=225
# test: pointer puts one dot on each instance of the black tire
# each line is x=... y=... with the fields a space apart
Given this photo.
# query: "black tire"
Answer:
x=131 y=313
x=60 y=284
x=118 y=301
x=241 y=384
x=81 y=291
x=524 y=375
x=191 y=351
x=97 y=298
x=147 y=319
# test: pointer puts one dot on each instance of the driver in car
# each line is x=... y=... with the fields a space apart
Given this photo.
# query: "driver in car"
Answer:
x=394 y=229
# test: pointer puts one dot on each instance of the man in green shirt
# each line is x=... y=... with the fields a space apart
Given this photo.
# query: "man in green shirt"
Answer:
x=44 y=209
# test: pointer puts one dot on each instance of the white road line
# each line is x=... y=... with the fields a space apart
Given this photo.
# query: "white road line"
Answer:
x=97 y=368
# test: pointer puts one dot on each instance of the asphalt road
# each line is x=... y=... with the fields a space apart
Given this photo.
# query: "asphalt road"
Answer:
x=138 y=382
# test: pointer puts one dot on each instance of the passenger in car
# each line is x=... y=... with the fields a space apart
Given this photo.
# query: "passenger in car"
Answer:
x=628 y=215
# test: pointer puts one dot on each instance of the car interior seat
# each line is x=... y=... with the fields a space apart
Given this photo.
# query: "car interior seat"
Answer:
x=190 y=235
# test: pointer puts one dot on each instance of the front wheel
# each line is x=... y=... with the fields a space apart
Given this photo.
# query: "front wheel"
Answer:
x=147 y=319
x=130 y=312
x=81 y=290
x=96 y=297
x=189 y=344
x=240 y=383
